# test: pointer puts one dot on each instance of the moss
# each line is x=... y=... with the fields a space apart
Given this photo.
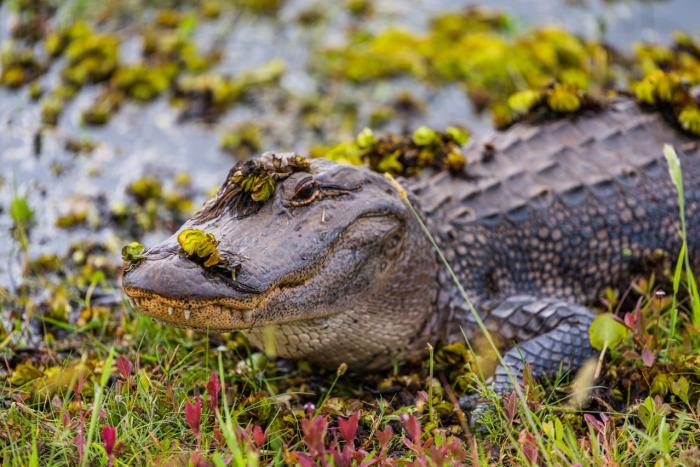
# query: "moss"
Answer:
x=424 y=136
x=381 y=116
x=212 y=94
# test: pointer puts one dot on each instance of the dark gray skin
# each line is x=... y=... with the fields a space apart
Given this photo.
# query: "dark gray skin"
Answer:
x=543 y=221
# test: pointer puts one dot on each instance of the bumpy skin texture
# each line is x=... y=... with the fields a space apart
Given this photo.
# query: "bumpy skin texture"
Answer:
x=543 y=219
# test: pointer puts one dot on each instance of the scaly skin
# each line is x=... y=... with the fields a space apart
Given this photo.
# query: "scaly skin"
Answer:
x=335 y=269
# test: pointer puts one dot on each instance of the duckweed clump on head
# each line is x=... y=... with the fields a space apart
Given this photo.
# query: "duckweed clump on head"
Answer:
x=133 y=252
x=257 y=178
x=201 y=245
x=403 y=155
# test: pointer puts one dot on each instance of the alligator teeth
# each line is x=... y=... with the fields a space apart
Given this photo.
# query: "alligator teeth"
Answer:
x=188 y=313
x=131 y=302
x=170 y=310
x=248 y=316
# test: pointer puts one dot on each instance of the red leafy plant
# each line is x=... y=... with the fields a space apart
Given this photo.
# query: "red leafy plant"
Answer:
x=341 y=448
x=109 y=442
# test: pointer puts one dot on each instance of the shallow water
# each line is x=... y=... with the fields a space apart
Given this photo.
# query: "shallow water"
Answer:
x=148 y=138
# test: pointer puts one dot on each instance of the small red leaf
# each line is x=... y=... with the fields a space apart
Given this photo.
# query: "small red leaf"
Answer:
x=385 y=436
x=528 y=446
x=124 y=366
x=193 y=414
x=258 y=436
x=412 y=426
x=213 y=389
x=109 y=436
x=648 y=357
x=348 y=428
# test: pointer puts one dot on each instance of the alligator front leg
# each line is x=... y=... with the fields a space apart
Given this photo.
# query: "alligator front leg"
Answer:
x=548 y=335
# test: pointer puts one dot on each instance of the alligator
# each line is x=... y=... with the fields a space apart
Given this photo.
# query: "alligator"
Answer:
x=334 y=267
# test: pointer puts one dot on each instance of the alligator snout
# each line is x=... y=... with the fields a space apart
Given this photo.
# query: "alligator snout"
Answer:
x=174 y=276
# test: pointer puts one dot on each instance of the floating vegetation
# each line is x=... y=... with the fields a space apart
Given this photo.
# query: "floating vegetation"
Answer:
x=402 y=155
x=243 y=140
x=550 y=102
x=153 y=206
x=669 y=76
x=475 y=48
x=18 y=67
x=207 y=96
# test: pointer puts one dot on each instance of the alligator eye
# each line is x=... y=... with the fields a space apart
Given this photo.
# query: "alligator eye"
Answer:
x=393 y=241
x=307 y=191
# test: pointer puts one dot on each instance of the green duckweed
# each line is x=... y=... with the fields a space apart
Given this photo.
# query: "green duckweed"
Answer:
x=201 y=245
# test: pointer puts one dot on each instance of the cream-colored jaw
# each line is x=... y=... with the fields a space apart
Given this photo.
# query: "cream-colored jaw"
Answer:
x=214 y=315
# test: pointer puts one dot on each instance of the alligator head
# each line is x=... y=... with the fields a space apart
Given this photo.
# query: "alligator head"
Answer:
x=331 y=268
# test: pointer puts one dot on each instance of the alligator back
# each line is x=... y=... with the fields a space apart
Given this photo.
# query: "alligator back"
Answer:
x=565 y=208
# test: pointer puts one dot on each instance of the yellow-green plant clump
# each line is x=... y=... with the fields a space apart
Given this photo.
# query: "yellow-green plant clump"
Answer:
x=201 y=245
x=667 y=77
x=404 y=155
x=476 y=48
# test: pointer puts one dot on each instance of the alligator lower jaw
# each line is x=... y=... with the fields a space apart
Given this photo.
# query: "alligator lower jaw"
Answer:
x=212 y=315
